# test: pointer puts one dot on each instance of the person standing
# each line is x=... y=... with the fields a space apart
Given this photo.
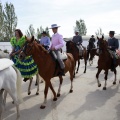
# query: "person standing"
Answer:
x=45 y=40
x=113 y=45
x=27 y=67
x=57 y=43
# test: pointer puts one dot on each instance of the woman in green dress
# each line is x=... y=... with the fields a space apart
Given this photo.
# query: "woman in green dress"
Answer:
x=27 y=66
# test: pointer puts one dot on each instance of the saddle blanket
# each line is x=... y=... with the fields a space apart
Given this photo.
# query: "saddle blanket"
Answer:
x=5 y=63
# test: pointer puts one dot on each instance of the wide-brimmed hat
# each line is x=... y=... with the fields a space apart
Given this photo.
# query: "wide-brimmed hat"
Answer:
x=76 y=31
x=44 y=32
x=54 y=26
x=112 y=32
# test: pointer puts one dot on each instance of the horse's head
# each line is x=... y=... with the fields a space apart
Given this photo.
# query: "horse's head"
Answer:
x=28 y=47
x=70 y=46
x=103 y=44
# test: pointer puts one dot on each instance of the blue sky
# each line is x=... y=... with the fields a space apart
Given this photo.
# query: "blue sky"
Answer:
x=97 y=14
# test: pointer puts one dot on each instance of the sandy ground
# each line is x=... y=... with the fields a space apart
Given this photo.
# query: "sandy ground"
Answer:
x=87 y=102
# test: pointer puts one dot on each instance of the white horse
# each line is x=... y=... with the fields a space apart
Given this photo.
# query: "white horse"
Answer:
x=10 y=82
x=38 y=78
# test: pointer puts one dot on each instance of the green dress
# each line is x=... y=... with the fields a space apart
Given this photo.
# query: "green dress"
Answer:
x=27 y=67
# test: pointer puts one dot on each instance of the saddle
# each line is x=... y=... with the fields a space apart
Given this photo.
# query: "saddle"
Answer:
x=5 y=63
x=63 y=55
x=57 y=66
x=114 y=54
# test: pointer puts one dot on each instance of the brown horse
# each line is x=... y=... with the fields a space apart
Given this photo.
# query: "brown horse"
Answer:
x=72 y=48
x=47 y=66
x=105 y=61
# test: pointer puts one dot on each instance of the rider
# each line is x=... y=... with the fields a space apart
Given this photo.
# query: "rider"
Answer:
x=90 y=45
x=45 y=40
x=57 y=43
x=92 y=41
x=113 y=45
x=27 y=67
x=77 y=39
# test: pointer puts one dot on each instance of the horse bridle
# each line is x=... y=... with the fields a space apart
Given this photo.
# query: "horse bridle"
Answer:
x=24 y=48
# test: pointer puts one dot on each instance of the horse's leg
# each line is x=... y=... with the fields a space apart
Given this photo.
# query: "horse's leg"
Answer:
x=115 y=72
x=59 y=89
x=13 y=95
x=54 y=93
x=71 y=78
x=37 y=81
x=78 y=65
x=5 y=95
x=47 y=84
x=38 y=77
x=29 y=92
x=2 y=105
x=106 y=74
x=97 y=75
x=85 y=61
x=74 y=69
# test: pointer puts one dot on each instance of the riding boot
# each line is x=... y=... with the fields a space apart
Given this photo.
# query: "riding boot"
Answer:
x=62 y=72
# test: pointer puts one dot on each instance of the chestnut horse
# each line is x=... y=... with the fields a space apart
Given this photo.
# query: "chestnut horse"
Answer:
x=105 y=62
x=72 y=48
x=47 y=66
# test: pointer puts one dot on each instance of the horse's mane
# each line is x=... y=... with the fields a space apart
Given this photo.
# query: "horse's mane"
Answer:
x=41 y=48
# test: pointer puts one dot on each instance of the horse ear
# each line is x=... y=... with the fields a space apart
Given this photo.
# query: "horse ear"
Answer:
x=32 y=39
x=102 y=37
x=97 y=37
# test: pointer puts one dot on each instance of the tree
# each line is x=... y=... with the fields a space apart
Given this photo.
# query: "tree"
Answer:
x=1 y=22
x=10 y=21
x=99 y=32
x=30 y=31
x=81 y=27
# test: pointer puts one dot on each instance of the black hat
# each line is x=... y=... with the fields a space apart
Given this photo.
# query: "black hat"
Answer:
x=92 y=36
x=112 y=32
x=44 y=32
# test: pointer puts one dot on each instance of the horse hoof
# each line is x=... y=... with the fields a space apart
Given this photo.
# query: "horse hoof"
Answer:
x=12 y=102
x=37 y=93
x=84 y=71
x=36 y=84
x=114 y=83
x=76 y=72
x=58 y=95
x=29 y=93
x=71 y=91
x=99 y=85
x=42 y=107
x=104 y=88
x=55 y=99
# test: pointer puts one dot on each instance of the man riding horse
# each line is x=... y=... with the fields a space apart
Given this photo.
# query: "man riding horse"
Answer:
x=90 y=46
x=113 y=45
x=77 y=39
x=57 y=43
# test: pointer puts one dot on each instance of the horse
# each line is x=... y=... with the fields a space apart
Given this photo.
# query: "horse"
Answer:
x=105 y=62
x=6 y=55
x=10 y=82
x=72 y=48
x=47 y=66
x=90 y=47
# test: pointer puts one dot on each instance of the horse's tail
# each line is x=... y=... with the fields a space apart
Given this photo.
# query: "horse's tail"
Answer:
x=19 y=84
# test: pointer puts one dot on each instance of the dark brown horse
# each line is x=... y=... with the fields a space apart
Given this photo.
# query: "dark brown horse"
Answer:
x=72 y=48
x=105 y=61
x=47 y=66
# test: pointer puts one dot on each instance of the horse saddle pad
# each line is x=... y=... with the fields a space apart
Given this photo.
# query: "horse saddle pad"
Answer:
x=5 y=63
